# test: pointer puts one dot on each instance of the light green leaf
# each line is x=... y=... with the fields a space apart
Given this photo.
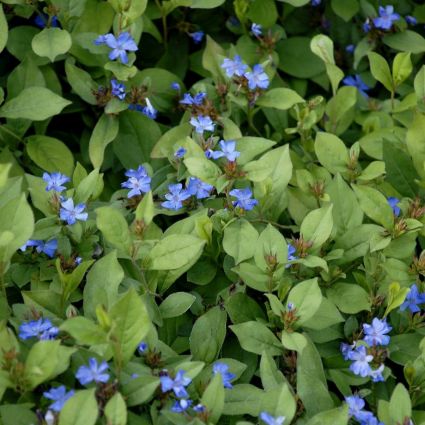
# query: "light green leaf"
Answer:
x=51 y=42
x=213 y=398
x=380 y=70
x=34 y=103
x=175 y=251
x=331 y=152
x=116 y=410
x=240 y=240
x=80 y=409
x=50 y=154
x=317 y=226
x=176 y=304
x=3 y=30
x=306 y=298
x=349 y=298
x=256 y=337
x=280 y=98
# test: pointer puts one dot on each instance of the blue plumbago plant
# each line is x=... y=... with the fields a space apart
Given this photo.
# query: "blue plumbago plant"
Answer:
x=212 y=212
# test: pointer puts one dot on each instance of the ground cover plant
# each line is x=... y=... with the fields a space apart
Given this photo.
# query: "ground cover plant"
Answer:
x=211 y=212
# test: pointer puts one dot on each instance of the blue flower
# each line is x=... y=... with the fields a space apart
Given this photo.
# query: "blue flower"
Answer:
x=78 y=260
x=256 y=29
x=290 y=306
x=177 y=385
x=138 y=181
x=376 y=332
x=149 y=110
x=228 y=150
x=412 y=300
x=49 y=248
x=367 y=26
x=355 y=405
x=118 y=89
x=316 y=3
x=376 y=374
x=411 y=20
x=175 y=197
x=55 y=181
x=361 y=360
x=59 y=396
x=392 y=202
x=202 y=123
x=142 y=348
x=71 y=214
x=198 y=188
x=181 y=406
x=119 y=45
x=386 y=18
x=180 y=152
x=93 y=372
x=346 y=349
x=244 y=199
x=197 y=36
x=41 y=329
x=175 y=86
x=234 y=67
x=291 y=256
x=197 y=100
x=199 y=408
x=41 y=20
x=268 y=419
x=257 y=78
x=350 y=48
x=357 y=82
x=226 y=376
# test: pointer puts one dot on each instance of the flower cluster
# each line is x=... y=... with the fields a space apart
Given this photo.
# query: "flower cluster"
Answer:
x=369 y=351
x=41 y=329
x=70 y=213
x=138 y=182
x=356 y=410
x=119 y=45
x=237 y=69
x=55 y=181
x=244 y=199
x=228 y=150
x=94 y=372
x=49 y=248
x=177 y=195
x=384 y=21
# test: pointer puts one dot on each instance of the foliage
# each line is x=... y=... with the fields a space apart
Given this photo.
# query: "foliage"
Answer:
x=211 y=212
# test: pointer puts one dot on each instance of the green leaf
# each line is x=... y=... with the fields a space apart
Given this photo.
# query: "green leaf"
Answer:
x=337 y=416
x=213 y=398
x=280 y=401
x=419 y=84
x=131 y=324
x=102 y=284
x=244 y=399
x=270 y=243
x=271 y=376
x=84 y=331
x=331 y=152
x=296 y=57
x=375 y=205
x=114 y=228
x=294 y=341
x=346 y=211
x=345 y=9
x=211 y=58
x=89 y=187
x=169 y=141
x=175 y=251
x=51 y=42
x=81 y=82
x=16 y=227
x=380 y=70
x=208 y=334
x=415 y=141
x=400 y=408
x=242 y=308
x=406 y=41
x=326 y=316
x=349 y=298
x=34 y=103
x=204 y=169
x=256 y=337
x=176 y=304
x=146 y=209
x=402 y=68
x=280 y=98
x=396 y=297
x=116 y=410
x=206 y=4
x=400 y=171
x=340 y=111
x=3 y=30
x=306 y=298
x=317 y=226
x=311 y=381
x=250 y=147
x=240 y=240
x=80 y=409
x=50 y=154
x=139 y=390
x=104 y=132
